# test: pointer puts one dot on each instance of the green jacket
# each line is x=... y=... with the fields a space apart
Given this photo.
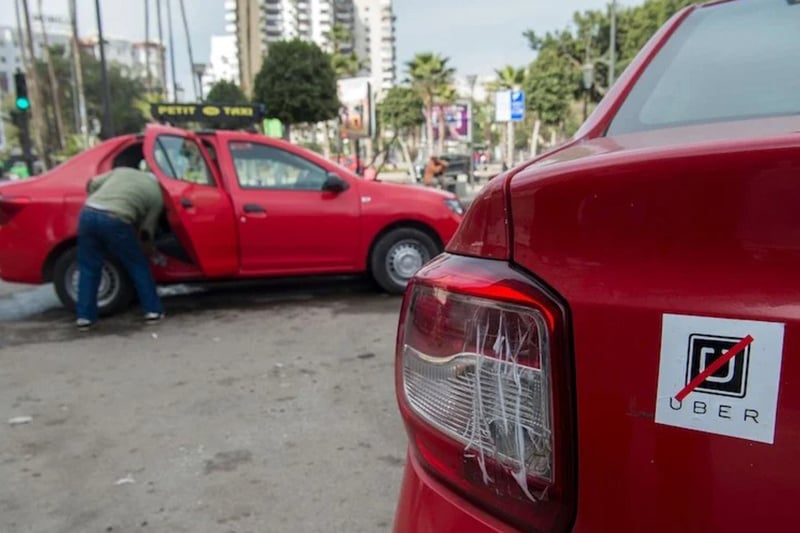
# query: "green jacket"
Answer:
x=132 y=195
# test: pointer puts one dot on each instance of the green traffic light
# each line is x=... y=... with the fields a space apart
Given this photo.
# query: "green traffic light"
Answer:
x=23 y=104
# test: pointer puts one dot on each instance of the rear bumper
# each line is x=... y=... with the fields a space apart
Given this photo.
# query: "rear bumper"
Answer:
x=427 y=506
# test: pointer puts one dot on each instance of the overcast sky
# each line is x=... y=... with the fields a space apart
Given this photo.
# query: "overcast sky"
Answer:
x=478 y=35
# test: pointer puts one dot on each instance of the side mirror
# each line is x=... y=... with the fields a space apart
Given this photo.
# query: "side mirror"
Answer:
x=335 y=184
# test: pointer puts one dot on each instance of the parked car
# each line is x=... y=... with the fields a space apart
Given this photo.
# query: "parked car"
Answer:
x=238 y=205
x=612 y=340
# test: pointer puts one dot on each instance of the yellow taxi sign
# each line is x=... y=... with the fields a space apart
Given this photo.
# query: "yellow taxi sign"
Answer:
x=174 y=112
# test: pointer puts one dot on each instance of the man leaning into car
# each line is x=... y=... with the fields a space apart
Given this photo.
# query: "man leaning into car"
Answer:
x=123 y=205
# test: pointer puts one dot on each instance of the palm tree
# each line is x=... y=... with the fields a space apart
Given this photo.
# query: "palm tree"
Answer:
x=428 y=74
x=446 y=94
x=508 y=78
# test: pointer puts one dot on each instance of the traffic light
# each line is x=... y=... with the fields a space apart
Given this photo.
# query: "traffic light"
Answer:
x=23 y=102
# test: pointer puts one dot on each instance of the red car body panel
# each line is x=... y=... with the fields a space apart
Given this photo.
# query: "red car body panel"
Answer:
x=696 y=220
x=302 y=232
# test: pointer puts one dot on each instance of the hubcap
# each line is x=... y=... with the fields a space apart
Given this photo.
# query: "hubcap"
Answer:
x=106 y=292
x=404 y=260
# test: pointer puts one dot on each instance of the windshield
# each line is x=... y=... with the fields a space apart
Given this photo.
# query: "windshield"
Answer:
x=730 y=61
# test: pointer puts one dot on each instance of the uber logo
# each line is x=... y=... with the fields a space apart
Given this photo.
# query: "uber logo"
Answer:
x=731 y=378
x=706 y=381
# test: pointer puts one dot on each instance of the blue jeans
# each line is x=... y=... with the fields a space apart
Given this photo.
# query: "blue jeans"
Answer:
x=100 y=235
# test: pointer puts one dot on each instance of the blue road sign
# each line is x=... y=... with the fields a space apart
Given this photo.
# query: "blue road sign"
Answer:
x=517 y=106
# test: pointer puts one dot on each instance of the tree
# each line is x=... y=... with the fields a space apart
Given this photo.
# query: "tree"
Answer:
x=345 y=64
x=401 y=109
x=298 y=83
x=126 y=92
x=509 y=78
x=428 y=74
x=226 y=92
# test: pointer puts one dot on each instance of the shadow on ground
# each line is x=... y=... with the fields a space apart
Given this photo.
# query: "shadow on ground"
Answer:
x=36 y=316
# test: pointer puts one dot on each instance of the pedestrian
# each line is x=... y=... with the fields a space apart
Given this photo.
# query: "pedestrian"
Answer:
x=119 y=219
x=433 y=168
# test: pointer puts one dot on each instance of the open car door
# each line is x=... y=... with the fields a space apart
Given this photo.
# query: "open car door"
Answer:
x=199 y=210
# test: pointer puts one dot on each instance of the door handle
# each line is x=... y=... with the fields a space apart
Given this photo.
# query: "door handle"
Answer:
x=254 y=208
x=186 y=203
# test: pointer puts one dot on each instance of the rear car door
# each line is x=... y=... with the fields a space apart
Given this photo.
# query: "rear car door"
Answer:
x=287 y=223
x=199 y=211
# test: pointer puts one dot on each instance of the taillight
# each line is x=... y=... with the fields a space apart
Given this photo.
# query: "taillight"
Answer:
x=10 y=205
x=485 y=388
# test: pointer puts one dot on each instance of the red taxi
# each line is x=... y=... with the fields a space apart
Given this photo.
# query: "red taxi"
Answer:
x=611 y=340
x=238 y=205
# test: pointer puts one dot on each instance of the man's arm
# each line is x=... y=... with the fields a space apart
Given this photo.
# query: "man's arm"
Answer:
x=148 y=228
x=96 y=183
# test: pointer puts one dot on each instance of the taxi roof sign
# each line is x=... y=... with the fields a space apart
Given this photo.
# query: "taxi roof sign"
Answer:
x=208 y=112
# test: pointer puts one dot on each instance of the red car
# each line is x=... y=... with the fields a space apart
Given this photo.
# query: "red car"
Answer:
x=238 y=205
x=612 y=340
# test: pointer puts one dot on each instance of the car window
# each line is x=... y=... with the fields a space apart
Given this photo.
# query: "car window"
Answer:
x=259 y=166
x=181 y=159
x=731 y=61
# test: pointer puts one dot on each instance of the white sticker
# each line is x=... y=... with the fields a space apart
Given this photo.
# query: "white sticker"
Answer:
x=720 y=376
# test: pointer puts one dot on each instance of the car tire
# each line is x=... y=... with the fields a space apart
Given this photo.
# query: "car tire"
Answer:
x=398 y=255
x=114 y=295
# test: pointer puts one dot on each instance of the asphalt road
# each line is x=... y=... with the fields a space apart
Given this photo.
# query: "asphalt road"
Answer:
x=252 y=409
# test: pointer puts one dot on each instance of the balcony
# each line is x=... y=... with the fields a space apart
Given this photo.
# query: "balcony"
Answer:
x=230 y=17
x=230 y=5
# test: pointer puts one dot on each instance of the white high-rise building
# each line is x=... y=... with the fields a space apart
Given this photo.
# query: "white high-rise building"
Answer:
x=371 y=23
x=223 y=64
x=375 y=40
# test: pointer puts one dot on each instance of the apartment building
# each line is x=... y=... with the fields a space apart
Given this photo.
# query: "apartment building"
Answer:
x=371 y=24
x=223 y=63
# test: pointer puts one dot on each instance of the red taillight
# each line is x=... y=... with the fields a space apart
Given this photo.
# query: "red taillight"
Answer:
x=484 y=385
x=10 y=205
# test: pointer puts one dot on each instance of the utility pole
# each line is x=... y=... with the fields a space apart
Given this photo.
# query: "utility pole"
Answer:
x=55 y=91
x=108 y=125
x=80 y=115
x=612 y=62
x=472 y=79
x=162 y=56
x=148 y=74
x=172 y=52
x=198 y=90
x=33 y=82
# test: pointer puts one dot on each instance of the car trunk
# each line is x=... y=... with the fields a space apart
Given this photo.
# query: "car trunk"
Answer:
x=632 y=232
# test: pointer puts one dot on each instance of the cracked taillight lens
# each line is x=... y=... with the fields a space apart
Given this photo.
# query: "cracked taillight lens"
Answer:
x=476 y=388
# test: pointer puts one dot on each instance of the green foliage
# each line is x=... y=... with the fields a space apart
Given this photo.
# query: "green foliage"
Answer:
x=345 y=64
x=509 y=78
x=554 y=79
x=550 y=86
x=297 y=83
x=429 y=74
x=126 y=92
x=432 y=79
x=401 y=109
x=226 y=92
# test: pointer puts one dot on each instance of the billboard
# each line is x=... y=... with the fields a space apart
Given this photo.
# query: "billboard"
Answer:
x=457 y=120
x=356 y=114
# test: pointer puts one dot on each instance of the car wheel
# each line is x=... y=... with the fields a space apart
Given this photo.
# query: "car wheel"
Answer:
x=114 y=294
x=398 y=255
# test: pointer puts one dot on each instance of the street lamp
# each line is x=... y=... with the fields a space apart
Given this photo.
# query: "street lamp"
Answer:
x=588 y=81
x=472 y=79
x=199 y=70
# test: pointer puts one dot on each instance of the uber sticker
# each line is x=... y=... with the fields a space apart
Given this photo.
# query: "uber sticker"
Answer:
x=720 y=376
